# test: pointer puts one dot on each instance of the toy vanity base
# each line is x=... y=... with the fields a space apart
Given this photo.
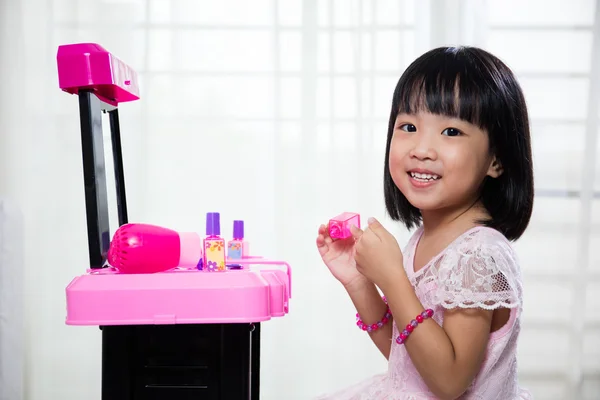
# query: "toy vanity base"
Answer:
x=181 y=334
x=181 y=362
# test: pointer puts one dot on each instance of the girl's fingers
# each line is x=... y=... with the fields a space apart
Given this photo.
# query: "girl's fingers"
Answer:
x=356 y=232
x=320 y=240
x=324 y=230
x=322 y=245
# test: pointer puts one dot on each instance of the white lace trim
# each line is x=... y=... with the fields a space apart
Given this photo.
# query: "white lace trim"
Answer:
x=479 y=270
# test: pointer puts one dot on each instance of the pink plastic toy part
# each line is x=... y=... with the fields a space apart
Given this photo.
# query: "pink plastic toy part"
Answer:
x=89 y=66
x=107 y=297
x=144 y=249
x=258 y=260
x=339 y=227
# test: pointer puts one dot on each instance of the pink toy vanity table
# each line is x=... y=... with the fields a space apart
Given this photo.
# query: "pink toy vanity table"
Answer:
x=180 y=334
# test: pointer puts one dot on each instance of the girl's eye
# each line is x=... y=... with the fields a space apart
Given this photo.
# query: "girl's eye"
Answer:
x=451 y=132
x=408 y=128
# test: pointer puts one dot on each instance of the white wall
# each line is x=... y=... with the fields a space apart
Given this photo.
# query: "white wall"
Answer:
x=291 y=98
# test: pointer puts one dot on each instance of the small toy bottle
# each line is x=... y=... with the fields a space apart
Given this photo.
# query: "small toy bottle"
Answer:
x=214 y=245
x=339 y=226
x=236 y=246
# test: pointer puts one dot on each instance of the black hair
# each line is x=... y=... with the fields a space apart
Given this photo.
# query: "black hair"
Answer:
x=473 y=85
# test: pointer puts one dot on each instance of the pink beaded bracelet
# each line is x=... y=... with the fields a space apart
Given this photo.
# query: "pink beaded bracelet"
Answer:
x=413 y=324
x=377 y=325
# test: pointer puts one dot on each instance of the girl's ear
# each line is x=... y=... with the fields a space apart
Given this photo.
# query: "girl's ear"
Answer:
x=495 y=169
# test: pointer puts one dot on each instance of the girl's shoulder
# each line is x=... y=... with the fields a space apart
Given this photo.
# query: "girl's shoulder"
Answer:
x=479 y=269
x=482 y=247
x=482 y=238
x=477 y=241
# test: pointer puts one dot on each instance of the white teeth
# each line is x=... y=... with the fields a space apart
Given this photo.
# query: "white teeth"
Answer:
x=424 y=177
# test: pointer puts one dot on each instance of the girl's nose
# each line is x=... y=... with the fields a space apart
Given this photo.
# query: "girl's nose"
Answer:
x=423 y=148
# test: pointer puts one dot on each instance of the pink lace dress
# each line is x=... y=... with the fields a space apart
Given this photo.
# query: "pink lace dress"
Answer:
x=479 y=269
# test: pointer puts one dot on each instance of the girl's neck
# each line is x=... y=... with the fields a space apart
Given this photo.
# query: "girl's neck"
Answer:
x=453 y=220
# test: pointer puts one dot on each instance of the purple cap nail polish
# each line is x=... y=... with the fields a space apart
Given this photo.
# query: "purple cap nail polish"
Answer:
x=213 y=224
x=238 y=229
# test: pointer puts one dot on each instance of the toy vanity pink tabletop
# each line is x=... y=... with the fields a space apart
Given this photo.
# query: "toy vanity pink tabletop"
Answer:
x=89 y=66
x=106 y=297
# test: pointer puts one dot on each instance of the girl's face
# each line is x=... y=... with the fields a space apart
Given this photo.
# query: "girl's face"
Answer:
x=439 y=162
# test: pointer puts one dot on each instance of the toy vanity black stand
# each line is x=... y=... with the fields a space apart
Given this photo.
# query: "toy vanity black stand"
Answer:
x=151 y=361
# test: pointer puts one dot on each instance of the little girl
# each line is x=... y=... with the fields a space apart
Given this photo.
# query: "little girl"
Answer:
x=458 y=167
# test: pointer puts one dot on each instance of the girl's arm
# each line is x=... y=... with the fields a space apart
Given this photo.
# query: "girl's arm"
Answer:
x=371 y=308
x=449 y=357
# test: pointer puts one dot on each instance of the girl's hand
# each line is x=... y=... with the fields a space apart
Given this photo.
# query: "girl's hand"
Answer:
x=338 y=255
x=377 y=254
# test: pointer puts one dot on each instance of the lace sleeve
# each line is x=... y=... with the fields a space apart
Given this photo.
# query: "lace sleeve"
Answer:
x=480 y=272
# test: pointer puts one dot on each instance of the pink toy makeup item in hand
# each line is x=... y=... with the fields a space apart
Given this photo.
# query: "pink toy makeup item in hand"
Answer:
x=146 y=249
x=339 y=227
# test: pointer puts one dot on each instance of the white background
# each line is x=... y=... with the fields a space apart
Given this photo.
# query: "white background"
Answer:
x=283 y=105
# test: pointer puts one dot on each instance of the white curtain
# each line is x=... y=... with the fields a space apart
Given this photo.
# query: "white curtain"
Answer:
x=12 y=330
x=275 y=111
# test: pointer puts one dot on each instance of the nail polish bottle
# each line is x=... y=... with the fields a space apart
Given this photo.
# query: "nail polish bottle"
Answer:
x=236 y=246
x=339 y=227
x=214 y=244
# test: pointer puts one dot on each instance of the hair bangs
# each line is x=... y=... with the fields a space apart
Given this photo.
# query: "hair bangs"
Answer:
x=450 y=91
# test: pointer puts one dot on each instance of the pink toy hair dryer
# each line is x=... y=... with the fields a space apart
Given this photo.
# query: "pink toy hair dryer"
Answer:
x=146 y=249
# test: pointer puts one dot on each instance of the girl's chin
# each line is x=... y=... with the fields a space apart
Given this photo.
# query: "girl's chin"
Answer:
x=423 y=203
